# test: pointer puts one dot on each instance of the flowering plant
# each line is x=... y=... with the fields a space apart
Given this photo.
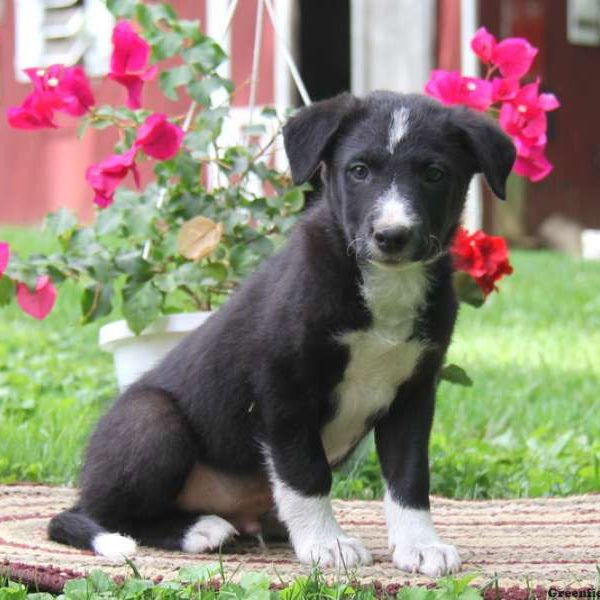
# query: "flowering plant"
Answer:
x=177 y=244
x=521 y=109
x=480 y=260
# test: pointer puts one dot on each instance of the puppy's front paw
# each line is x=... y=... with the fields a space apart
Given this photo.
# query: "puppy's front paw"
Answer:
x=334 y=552
x=435 y=559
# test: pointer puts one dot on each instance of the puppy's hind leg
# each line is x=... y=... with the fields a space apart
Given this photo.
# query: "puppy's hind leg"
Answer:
x=187 y=532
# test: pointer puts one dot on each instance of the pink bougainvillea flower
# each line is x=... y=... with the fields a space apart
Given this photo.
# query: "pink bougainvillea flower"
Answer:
x=513 y=56
x=128 y=63
x=159 y=138
x=69 y=85
x=107 y=175
x=451 y=87
x=57 y=88
x=4 y=256
x=130 y=50
x=518 y=121
x=525 y=114
x=504 y=89
x=483 y=44
x=531 y=161
x=36 y=112
x=535 y=167
x=134 y=84
x=75 y=91
x=40 y=302
x=484 y=257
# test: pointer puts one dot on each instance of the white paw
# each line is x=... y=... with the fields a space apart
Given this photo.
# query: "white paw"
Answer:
x=206 y=534
x=334 y=552
x=114 y=546
x=435 y=559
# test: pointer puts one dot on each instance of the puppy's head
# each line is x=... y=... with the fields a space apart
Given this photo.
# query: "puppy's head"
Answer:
x=396 y=168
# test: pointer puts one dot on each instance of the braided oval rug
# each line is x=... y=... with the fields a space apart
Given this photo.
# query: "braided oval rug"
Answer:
x=526 y=543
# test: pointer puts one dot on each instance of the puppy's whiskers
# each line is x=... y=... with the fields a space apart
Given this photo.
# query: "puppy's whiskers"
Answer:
x=354 y=245
x=434 y=249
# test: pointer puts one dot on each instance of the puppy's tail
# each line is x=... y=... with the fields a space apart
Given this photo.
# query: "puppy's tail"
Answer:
x=74 y=528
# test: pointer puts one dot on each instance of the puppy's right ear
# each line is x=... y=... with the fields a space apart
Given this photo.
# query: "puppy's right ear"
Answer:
x=309 y=131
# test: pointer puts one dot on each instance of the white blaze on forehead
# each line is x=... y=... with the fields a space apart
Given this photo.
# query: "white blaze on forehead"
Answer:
x=398 y=127
x=393 y=210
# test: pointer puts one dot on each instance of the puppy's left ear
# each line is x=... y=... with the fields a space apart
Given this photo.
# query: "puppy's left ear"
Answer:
x=307 y=134
x=493 y=151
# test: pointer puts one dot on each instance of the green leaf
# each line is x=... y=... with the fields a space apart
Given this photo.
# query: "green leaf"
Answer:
x=96 y=301
x=198 y=142
x=456 y=374
x=166 y=44
x=190 y=29
x=216 y=272
x=100 y=581
x=294 y=198
x=202 y=89
x=162 y=12
x=109 y=220
x=134 y=265
x=83 y=241
x=75 y=588
x=467 y=289
x=415 y=593
x=60 y=222
x=269 y=112
x=144 y=17
x=141 y=305
x=253 y=580
x=171 y=79
x=206 y=55
x=122 y=8
x=198 y=573
x=7 y=290
x=83 y=126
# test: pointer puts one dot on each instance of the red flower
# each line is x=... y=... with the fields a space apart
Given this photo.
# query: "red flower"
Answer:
x=57 y=88
x=513 y=56
x=40 y=302
x=4 y=256
x=451 y=87
x=128 y=63
x=106 y=176
x=159 y=138
x=483 y=44
x=484 y=257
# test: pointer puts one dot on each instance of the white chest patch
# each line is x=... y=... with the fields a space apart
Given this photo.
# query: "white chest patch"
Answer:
x=381 y=357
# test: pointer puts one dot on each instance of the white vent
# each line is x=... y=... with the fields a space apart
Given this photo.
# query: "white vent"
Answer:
x=65 y=32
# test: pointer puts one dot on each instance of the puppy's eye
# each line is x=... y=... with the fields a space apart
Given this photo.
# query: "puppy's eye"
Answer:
x=359 y=171
x=433 y=174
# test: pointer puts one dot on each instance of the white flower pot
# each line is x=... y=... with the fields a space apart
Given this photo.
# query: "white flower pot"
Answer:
x=136 y=354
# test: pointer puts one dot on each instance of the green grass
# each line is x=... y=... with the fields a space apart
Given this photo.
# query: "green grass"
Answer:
x=529 y=426
x=211 y=582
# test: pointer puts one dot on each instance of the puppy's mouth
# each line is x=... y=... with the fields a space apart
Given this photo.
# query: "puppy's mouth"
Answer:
x=388 y=259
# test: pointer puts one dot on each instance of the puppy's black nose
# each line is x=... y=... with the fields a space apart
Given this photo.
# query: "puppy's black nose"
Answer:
x=392 y=239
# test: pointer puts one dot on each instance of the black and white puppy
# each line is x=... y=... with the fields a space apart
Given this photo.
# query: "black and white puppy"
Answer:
x=343 y=331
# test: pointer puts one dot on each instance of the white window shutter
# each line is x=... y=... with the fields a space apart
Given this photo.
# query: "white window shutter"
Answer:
x=65 y=32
